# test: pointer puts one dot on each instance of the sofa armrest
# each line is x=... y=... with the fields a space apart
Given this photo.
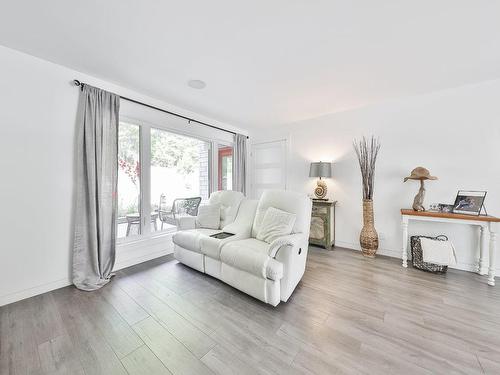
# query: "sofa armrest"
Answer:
x=186 y=222
x=291 y=251
x=293 y=240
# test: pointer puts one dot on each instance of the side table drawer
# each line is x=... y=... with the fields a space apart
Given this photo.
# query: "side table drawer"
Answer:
x=321 y=210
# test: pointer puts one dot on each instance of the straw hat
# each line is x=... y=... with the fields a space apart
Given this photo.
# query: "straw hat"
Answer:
x=420 y=173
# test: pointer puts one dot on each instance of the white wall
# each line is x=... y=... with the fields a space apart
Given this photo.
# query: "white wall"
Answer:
x=454 y=133
x=38 y=107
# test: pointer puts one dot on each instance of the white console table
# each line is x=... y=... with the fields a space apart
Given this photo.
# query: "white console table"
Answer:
x=485 y=223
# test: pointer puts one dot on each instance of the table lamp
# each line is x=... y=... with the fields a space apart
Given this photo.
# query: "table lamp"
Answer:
x=320 y=169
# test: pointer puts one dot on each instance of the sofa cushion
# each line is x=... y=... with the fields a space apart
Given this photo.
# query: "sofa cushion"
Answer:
x=211 y=246
x=251 y=255
x=209 y=216
x=190 y=239
x=242 y=225
x=276 y=223
x=230 y=202
x=289 y=201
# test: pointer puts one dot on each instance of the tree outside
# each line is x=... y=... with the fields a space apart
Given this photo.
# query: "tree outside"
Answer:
x=175 y=166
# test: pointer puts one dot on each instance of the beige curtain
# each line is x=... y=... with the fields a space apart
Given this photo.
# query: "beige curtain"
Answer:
x=96 y=179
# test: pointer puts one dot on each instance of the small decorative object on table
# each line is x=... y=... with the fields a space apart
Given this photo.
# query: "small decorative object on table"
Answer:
x=367 y=152
x=320 y=169
x=422 y=174
x=417 y=255
x=469 y=202
x=441 y=207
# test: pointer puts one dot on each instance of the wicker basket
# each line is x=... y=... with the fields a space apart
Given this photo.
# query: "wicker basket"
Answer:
x=417 y=257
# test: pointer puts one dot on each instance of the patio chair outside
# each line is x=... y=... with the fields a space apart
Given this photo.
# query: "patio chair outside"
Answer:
x=180 y=207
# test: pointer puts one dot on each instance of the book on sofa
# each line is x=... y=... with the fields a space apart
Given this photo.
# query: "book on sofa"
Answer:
x=222 y=235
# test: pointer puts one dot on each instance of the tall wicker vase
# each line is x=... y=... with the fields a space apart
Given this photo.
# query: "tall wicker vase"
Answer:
x=368 y=237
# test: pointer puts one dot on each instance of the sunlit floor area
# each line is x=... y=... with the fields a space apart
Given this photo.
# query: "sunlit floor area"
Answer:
x=348 y=315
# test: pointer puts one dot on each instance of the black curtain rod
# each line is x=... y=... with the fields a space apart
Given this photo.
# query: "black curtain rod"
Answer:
x=81 y=84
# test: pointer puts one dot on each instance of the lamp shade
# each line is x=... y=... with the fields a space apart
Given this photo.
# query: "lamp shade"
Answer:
x=320 y=169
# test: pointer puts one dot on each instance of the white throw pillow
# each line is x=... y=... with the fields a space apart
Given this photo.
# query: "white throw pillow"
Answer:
x=276 y=223
x=208 y=216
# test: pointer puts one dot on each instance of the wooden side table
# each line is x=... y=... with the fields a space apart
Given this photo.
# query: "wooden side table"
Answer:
x=323 y=224
x=487 y=225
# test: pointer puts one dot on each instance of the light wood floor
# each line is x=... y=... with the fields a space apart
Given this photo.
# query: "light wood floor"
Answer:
x=348 y=315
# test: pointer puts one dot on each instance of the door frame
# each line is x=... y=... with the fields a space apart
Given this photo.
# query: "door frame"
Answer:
x=286 y=143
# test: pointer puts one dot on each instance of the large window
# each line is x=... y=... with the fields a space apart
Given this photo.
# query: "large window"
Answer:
x=159 y=166
x=179 y=169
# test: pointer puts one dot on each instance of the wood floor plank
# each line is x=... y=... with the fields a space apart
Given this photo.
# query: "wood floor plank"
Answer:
x=123 y=304
x=348 y=315
x=142 y=361
x=95 y=353
x=58 y=357
x=200 y=318
x=410 y=345
x=174 y=355
x=224 y=362
x=241 y=304
x=322 y=338
x=18 y=344
x=46 y=318
x=239 y=334
x=193 y=338
x=112 y=326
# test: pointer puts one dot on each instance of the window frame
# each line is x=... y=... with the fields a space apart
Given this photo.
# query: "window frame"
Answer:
x=134 y=237
x=145 y=177
x=223 y=151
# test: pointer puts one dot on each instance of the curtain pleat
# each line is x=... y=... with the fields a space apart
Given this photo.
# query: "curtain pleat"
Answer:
x=239 y=163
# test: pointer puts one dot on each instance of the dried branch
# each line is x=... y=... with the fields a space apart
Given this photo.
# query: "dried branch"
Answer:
x=367 y=152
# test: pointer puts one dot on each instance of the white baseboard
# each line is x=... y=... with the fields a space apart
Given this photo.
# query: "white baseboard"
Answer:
x=381 y=251
x=136 y=252
x=141 y=259
x=471 y=267
x=127 y=256
x=34 y=291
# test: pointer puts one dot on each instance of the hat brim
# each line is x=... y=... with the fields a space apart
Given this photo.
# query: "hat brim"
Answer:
x=420 y=178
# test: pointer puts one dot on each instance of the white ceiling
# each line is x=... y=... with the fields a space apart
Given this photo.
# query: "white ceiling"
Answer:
x=265 y=62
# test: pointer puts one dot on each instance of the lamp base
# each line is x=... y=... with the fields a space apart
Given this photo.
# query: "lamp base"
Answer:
x=321 y=189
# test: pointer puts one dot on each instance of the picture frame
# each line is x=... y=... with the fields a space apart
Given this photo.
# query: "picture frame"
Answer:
x=469 y=202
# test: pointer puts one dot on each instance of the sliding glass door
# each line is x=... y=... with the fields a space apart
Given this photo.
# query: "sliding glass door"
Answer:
x=160 y=166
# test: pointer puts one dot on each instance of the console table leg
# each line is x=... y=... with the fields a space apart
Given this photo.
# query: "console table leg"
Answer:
x=404 y=255
x=482 y=249
x=491 y=268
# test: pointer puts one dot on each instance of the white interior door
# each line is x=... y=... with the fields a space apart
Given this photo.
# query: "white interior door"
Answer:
x=268 y=167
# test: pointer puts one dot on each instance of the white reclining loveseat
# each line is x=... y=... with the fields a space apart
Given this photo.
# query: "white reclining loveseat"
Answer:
x=268 y=268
